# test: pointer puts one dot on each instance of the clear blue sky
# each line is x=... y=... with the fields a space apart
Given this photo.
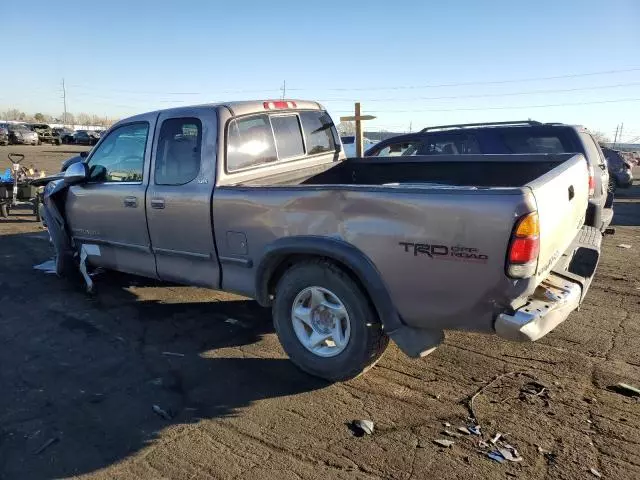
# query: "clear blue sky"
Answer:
x=123 y=57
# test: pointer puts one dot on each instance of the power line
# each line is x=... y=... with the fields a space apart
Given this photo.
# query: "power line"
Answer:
x=491 y=82
x=510 y=107
x=487 y=95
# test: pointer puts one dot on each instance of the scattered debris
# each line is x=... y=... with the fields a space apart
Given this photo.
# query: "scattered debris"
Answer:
x=173 y=354
x=46 y=445
x=464 y=430
x=510 y=453
x=233 y=321
x=162 y=413
x=533 y=388
x=483 y=444
x=595 y=473
x=447 y=424
x=543 y=451
x=362 y=427
x=449 y=433
x=470 y=400
x=495 y=438
x=47 y=267
x=443 y=443
x=475 y=429
x=625 y=389
x=496 y=456
x=589 y=421
x=624 y=245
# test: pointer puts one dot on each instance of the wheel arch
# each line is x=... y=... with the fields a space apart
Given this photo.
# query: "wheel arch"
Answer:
x=285 y=252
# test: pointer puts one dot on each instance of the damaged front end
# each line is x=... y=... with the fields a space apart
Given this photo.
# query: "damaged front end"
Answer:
x=53 y=220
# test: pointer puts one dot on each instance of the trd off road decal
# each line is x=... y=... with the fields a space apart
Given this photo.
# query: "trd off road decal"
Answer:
x=444 y=252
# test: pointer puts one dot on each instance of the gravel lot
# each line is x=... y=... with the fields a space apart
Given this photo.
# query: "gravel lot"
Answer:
x=79 y=377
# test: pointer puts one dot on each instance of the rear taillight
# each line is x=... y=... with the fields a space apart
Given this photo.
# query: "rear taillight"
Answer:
x=522 y=257
x=592 y=181
x=278 y=104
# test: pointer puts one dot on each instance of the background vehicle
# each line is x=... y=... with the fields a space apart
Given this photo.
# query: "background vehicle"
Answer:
x=620 y=173
x=46 y=134
x=349 y=145
x=21 y=134
x=4 y=134
x=257 y=198
x=84 y=137
x=65 y=134
x=513 y=137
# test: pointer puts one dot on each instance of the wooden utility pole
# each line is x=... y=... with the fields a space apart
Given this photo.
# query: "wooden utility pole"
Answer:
x=64 y=100
x=358 y=118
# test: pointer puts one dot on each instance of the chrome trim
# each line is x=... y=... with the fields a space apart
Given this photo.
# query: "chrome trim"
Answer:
x=242 y=262
x=111 y=243
x=181 y=253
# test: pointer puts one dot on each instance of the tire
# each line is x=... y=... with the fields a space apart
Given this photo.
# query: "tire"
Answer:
x=4 y=210
x=366 y=340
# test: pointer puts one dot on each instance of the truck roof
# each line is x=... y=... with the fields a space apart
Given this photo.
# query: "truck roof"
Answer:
x=243 y=107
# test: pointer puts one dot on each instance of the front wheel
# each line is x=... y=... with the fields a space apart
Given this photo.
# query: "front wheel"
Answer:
x=325 y=322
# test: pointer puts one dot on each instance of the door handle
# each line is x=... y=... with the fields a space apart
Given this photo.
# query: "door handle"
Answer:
x=130 y=202
x=157 y=203
x=571 y=192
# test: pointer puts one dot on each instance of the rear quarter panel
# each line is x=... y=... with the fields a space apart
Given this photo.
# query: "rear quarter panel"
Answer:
x=441 y=253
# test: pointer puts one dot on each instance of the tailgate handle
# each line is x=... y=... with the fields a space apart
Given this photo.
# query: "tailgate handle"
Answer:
x=572 y=193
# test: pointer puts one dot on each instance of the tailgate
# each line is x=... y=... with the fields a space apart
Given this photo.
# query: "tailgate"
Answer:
x=561 y=197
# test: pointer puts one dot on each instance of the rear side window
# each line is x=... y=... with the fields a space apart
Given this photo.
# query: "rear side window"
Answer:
x=530 y=142
x=178 y=155
x=250 y=142
x=288 y=136
x=318 y=130
x=399 y=149
x=449 y=145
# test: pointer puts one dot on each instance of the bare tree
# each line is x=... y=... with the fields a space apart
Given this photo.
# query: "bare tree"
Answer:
x=83 y=119
x=600 y=137
x=69 y=120
x=347 y=128
x=14 y=114
x=38 y=117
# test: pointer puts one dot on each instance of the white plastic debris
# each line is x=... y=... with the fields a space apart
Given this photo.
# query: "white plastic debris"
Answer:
x=47 y=267
x=624 y=245
x=495 y=438
x=443 y=443
x=162 y=413
x=464 y=430
x=363 y=427
x=595 y=473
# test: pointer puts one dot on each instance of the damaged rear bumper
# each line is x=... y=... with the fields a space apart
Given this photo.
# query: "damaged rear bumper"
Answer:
x=558 y=295
x=553 y=301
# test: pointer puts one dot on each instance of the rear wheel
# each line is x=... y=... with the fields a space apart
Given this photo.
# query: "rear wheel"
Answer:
x=4 y=210
x=325 y=322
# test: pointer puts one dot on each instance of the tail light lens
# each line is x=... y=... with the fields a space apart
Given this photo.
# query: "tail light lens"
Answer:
x=592 y=181
x=522 y=257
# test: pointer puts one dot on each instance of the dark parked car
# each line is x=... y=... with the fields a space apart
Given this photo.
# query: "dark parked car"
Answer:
x=19 y=133
x=4 y=134
x=65 y=134
x=520 y=137
x=85 y=137
x=620 y=175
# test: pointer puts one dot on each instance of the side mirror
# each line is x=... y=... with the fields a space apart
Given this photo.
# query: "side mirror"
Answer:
x=76 y=173
x=84 y=154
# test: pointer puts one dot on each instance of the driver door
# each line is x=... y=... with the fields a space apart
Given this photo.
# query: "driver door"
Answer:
x=108 y=211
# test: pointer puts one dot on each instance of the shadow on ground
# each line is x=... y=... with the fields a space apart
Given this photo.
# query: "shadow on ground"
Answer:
x=80 y=375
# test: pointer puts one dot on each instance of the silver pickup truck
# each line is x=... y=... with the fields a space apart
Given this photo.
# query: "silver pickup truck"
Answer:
x=257 y=198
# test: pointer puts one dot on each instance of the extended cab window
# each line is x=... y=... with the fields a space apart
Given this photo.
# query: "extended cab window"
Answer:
x=120 y=156
x=178 y=155
x=593 y=150
x=249 y=142
x=318 y=130
x=288 y=136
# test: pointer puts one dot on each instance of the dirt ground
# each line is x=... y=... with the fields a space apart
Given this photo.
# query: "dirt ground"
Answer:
x=79 y=376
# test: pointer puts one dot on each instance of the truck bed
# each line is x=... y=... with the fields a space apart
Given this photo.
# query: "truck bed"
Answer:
x=436 y=170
